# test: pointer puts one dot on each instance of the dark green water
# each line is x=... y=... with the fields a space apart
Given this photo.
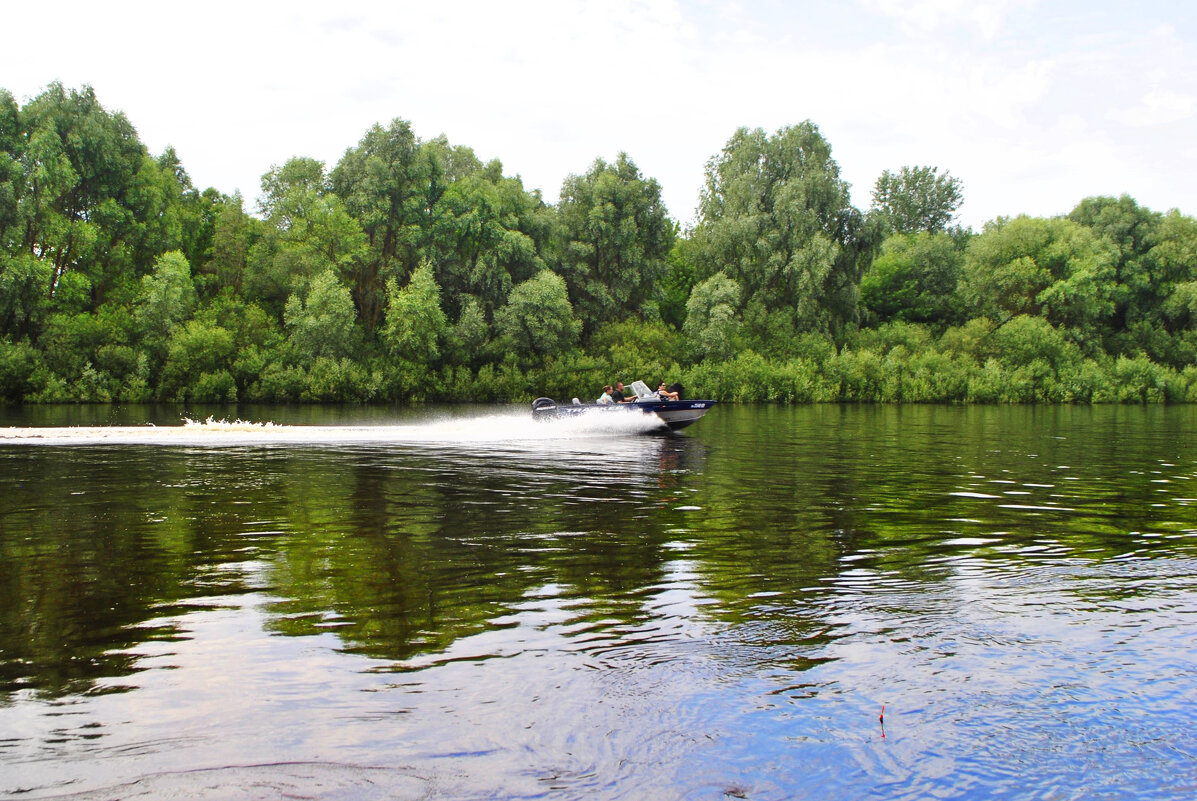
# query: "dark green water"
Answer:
x=458 y=603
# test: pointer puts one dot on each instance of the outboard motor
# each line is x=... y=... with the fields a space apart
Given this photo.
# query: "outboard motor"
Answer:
x=544 y=408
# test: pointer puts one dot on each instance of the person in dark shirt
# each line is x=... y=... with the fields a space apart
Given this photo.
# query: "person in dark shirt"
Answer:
x=617 y=394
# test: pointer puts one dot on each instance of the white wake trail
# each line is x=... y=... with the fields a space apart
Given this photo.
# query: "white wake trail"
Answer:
x=496 y=428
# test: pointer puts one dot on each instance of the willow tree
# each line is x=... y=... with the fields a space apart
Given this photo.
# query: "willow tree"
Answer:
x=538 y=320
x=1144 y=275
x=165 y=300
x=614 y=237
x=384 y=183
x=776 y=217
x=711 y=328
x=321 y=324
x=308 y=232
x=1174 y=254
x=94 y=207
x=415 y=323
x=1050 y=268
x=914 y=279
x=10 y=170
x=917 y=199
x=24 y=276
x=485 y=232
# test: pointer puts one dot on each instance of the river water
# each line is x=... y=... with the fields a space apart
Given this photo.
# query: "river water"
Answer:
x=778 y=603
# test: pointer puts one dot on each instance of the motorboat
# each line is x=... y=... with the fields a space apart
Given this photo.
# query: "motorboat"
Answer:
x=676 y=414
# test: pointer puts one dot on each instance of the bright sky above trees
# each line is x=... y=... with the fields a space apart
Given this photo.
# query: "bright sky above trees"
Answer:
x=1032 y=105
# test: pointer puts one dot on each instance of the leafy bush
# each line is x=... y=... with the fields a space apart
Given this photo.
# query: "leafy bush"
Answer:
x=218 y=387
x=338 y=381
x=17 y=363
x=405 y=381
x=1140 y=380
x=280 y=383
x=193 y=349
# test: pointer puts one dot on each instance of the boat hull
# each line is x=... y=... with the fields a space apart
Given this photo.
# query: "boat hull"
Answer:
x=675 y=414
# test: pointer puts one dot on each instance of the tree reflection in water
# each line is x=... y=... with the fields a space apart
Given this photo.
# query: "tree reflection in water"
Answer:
x=708 y=601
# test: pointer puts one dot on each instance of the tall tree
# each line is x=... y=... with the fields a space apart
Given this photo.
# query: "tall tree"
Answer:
x=415 y=323
x=615 y=236
x=675 y=286
x=384 y=183
x=468 y=337
x=11 y=172
x=288 y=190
x=23 y=300
x=1141 y=282
x=310 y=231
x=917 y=199
x=1051 y=268
x=776 y=217
x=538 y=320
x=913 y=279
x=321 y=323
x=81 y=166
x=24 y=277
x=1174 y=257
x=485 y=235
x=712 y=328
x=231 y=240
x=166 y=299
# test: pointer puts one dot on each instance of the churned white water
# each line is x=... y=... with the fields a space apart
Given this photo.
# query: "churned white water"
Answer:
x=494 y=428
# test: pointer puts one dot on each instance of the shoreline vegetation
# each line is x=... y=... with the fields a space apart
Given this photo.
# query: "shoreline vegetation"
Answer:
x=410 y=271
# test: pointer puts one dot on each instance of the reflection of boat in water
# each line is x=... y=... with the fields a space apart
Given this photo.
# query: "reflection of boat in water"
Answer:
x=674 y=413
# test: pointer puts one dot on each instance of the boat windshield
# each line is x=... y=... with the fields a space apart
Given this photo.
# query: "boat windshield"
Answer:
x=640 y=388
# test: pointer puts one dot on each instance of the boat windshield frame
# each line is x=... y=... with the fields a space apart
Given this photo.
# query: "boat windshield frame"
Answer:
x=640 y=388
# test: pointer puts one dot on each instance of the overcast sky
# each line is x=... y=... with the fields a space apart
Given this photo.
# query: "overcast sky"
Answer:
x=1032 y=105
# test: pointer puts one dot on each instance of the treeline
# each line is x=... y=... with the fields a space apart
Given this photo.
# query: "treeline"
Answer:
x=413 y=271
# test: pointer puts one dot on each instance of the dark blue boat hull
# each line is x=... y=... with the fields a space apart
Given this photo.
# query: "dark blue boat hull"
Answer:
x=675 y=414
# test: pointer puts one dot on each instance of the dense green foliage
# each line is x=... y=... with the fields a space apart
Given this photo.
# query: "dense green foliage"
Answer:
x=916 y=199
x=412 y=271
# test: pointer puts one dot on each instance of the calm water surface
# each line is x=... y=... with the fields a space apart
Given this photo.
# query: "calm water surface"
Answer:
x=456 y=603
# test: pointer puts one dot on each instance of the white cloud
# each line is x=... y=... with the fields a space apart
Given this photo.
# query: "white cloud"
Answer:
x=1033 y=105
x=931 y=16
x=1158 y=107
